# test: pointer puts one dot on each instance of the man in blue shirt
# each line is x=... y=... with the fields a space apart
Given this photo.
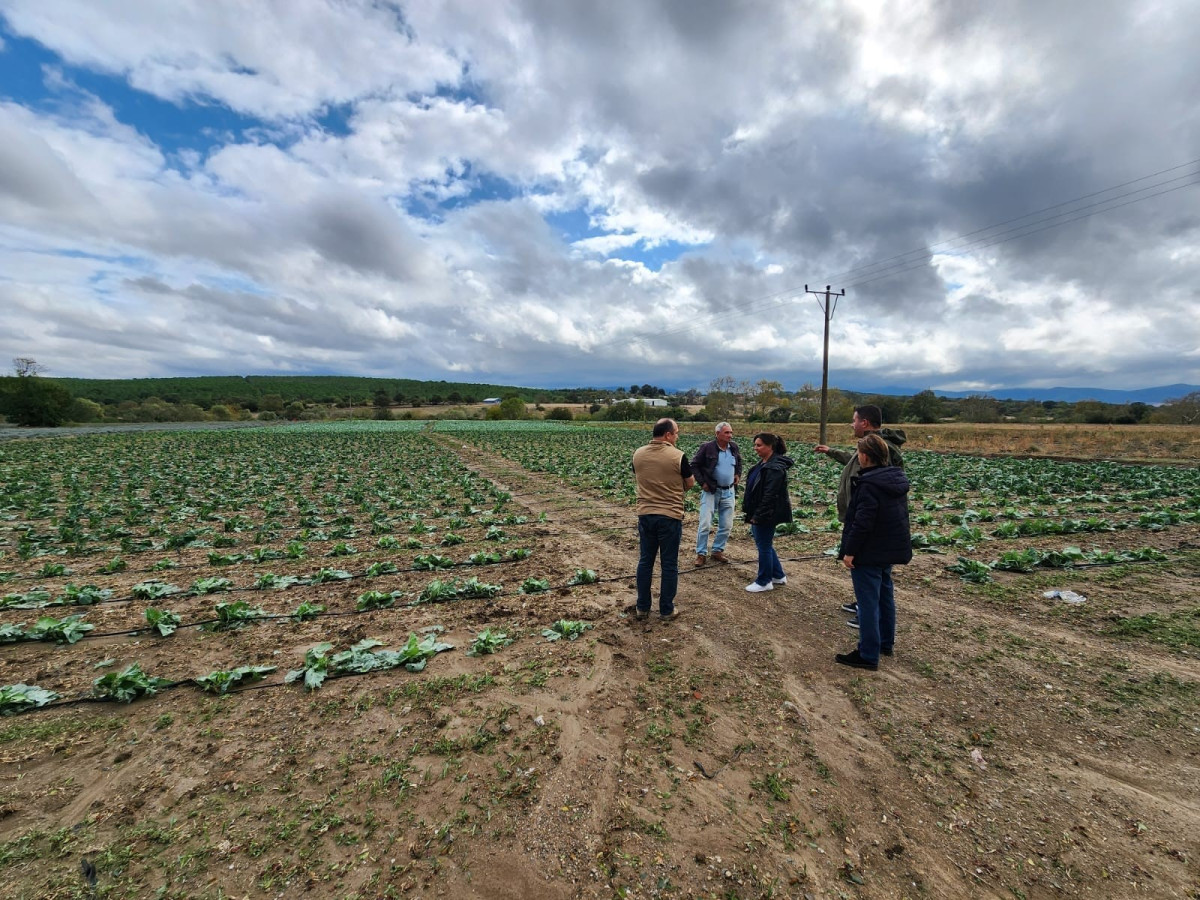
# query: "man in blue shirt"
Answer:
x=717 y=466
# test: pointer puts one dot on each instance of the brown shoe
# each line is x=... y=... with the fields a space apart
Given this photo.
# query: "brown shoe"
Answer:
x=719 y=556
x=701 y=559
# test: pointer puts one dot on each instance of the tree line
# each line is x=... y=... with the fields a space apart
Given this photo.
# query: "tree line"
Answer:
x=27 y=397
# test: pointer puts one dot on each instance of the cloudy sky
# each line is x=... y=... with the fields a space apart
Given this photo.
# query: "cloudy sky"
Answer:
x=566 y=192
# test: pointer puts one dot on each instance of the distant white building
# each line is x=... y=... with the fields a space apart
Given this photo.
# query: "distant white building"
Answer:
x=648 y=401
x=490 y=401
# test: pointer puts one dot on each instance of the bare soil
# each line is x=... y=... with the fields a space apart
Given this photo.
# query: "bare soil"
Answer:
x=1014 y=747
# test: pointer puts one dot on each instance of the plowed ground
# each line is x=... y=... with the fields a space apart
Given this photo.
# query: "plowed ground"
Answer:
x=1014 y=746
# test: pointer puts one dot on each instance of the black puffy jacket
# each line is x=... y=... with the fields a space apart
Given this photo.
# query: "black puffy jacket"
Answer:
x=766 y=500
x=876 y=532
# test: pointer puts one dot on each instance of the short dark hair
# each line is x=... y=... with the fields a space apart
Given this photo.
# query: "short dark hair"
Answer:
x=774 y=440
x=876 y=449
x=664 y=427
x=870 y=413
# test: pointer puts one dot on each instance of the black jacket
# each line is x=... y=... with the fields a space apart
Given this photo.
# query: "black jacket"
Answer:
x=876 y=531
x=766 y=500
x=705 y=461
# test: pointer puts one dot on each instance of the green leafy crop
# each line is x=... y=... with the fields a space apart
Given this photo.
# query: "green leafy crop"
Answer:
x=362 y=658
x=376 y=600
x=153 y=590
x=211 y=585
x=222 y=680
x=85 y=595
x=565 y=628
x=236 y=615
x=488 y=641
x=429 y=561
x=307 y=611
x=17 y=698
x=128 y=684
x=162 y=620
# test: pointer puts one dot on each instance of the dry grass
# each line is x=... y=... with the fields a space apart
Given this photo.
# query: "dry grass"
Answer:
x=1116 y=442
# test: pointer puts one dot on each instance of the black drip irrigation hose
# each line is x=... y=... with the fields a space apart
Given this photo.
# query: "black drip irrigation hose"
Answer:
x=243 y=590
x=313 y=616
x=93 y=553
x=260 y=685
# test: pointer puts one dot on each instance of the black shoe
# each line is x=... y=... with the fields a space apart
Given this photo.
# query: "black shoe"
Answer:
x=886 y=651
x=853 y=623
x=850 y=608
x=854 y=660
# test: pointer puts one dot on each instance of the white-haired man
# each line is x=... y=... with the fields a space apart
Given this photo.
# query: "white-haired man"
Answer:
x=717 y=466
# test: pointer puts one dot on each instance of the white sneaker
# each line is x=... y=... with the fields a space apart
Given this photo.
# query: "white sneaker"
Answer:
x=754 y=587
x=782 y=580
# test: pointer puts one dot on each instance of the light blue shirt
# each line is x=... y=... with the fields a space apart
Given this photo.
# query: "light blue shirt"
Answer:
x=725 y=467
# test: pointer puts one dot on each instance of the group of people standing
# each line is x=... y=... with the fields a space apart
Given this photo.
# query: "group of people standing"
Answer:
x=872 y=504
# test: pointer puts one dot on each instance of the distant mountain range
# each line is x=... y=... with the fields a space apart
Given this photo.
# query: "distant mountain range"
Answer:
x=1151 y=395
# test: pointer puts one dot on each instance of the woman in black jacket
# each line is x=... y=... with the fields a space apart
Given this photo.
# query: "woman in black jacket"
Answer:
x=875 y=537
x=765 y=505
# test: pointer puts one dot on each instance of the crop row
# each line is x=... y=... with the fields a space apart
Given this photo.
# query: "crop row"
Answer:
x=946 y=489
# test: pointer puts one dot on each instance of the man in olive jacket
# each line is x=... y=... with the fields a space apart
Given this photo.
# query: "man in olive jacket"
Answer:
x=867 y=419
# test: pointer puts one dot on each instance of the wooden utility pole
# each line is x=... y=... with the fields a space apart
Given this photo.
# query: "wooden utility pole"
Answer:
x=827 y=307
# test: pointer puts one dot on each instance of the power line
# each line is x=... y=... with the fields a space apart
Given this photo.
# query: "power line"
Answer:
x=1027 y=229
x=926 y=249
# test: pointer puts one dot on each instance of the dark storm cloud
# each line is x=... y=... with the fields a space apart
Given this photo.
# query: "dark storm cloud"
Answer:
x=364 y=234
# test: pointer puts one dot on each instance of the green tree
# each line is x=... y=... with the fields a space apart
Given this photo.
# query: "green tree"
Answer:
x=768 y=396
x=85 y=410
x=560 y=413
x=1093 y=412
x=718 y=405
x=925 y=407
x=1180 y=411
x=511 y=408
x=27 y=399
x=979 y=408
x=271 y=403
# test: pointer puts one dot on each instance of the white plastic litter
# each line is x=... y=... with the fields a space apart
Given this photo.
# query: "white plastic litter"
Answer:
x=1065 y=596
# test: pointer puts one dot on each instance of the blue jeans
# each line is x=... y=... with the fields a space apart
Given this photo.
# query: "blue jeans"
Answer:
x=719 y=502
x=658 y=536
x=876 y=609
x=769 y=568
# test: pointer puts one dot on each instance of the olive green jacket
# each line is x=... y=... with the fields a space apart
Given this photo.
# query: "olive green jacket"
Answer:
x=894 y=438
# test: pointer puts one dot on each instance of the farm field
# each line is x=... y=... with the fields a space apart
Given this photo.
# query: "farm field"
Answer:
x=371 y=660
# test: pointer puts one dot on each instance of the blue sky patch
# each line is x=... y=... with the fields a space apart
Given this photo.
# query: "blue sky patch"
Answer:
x=196 y=125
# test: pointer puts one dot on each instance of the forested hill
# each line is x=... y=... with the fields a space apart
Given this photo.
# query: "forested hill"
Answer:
x=244 y=390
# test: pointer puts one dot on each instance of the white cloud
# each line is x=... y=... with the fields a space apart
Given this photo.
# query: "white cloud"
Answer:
x=780 y=147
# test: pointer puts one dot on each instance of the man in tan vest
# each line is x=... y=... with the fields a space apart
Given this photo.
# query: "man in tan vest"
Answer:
x=663 y=476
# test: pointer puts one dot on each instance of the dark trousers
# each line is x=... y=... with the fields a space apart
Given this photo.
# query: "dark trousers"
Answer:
x=658 y=536
x=876 y=598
